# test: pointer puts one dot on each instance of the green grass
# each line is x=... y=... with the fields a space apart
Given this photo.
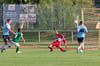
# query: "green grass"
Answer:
x=42 y=57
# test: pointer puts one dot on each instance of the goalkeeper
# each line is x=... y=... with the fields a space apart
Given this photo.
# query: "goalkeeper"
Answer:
x=58 y=42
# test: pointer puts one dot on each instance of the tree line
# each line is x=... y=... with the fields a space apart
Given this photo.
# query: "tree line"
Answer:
x=50 y=13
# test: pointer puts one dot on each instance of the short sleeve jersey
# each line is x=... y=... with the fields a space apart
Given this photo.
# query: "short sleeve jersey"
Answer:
x=82 y=29
x=17 y=36
x=6 y=31
x=60 y=39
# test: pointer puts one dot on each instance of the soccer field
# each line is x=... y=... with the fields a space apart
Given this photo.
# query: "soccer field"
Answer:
x=42 y=57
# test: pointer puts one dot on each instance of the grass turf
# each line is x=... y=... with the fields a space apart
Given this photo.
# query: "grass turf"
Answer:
x=42 y=57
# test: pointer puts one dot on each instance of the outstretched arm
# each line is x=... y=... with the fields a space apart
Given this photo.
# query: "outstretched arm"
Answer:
x=55 y=30
x=65 y=44
x=11 y=31
x=22 y=38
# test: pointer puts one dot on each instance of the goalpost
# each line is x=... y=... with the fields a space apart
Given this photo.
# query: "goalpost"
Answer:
x=91 y=18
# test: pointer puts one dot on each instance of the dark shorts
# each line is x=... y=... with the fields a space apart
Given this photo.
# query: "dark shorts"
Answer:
x=6 y=38
x=80 y=39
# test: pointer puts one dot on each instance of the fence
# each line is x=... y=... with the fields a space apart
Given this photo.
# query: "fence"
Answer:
x=45 y=37
x=58 y=15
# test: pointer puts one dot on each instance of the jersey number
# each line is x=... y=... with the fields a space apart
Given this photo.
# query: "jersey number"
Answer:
x=16 y=35
x=82 y=30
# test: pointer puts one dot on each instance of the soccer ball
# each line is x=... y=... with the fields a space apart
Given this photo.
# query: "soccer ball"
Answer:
x=81 y=51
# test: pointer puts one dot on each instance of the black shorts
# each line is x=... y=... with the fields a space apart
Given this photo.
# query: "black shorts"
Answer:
x=6 y=38
x=80 y=39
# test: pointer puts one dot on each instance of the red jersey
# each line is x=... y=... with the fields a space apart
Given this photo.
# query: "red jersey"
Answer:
x=60 y=39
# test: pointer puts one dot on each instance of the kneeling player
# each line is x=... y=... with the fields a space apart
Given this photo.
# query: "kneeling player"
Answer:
x=58 y=42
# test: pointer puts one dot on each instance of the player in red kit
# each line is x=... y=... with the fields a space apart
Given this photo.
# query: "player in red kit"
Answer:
x=58 y=42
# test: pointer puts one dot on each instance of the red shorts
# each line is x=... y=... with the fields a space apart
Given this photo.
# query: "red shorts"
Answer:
x=57 y=44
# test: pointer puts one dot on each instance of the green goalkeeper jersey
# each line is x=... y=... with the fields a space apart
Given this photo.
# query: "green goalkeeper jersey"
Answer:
x=17 y=36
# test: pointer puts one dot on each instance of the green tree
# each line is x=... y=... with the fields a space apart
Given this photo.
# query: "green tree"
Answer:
x=50 y=13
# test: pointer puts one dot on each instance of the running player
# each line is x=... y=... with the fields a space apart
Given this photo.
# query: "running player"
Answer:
x=6 y=37
x=58 y=42
x=15 y=39
x=81 y=30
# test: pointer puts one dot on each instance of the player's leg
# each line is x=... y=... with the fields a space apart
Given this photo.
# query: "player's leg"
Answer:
x=9 y=43
x=3 y=45
x=17 y=50
x=83 y=44
x=59 y=46
x=5 y=38
x=50 y=47
x=17 y=47
x=6 y=47
x=80 y=40
x=62 y=49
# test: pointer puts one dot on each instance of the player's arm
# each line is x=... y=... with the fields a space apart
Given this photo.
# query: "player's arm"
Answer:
x=11 y=36
x=55 y=30
x=11 y=31
x=86 y=30
x=65 y=44
x=78 y=29
x=22 y=38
